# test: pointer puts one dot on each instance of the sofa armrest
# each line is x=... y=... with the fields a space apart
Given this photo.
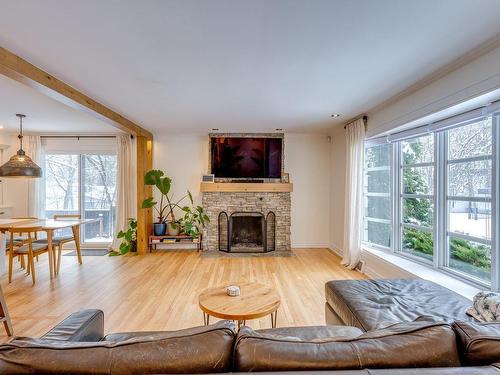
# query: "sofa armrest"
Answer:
x=83 y=326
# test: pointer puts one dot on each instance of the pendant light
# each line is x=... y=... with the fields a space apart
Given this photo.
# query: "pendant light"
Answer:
x=20 y=165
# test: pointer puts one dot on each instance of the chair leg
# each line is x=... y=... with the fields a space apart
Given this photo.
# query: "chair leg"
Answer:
x=28 y=268
x=21 y=260
x=32 y=263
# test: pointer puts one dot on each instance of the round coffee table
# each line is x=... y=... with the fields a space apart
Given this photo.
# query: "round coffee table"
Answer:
x=255 y=301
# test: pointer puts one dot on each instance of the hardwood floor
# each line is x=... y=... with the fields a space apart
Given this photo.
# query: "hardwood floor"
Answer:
x=160 y=291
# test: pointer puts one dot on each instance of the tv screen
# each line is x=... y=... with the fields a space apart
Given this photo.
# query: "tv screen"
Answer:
x=241 y=157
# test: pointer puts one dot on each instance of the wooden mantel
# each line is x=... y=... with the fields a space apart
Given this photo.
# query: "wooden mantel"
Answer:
x=235 y=187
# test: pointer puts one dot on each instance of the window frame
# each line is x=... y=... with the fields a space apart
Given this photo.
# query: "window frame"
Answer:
x=440 y=227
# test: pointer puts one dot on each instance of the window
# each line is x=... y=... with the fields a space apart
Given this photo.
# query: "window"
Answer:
x=82 y=184
x=469 y=199
x=377 y=188
x=417 y=196
x=439 y=190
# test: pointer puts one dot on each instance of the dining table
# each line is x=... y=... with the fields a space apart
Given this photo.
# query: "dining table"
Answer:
x=49 y=226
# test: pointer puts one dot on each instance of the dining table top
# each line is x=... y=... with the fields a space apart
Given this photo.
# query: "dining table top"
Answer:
x=43 y=224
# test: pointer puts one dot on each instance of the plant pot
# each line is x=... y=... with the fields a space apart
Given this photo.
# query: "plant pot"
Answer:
x=133 y=247
x=171 y=230
x=159 y=229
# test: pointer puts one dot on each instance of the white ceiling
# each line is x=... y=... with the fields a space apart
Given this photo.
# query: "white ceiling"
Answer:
x=242 y=65
x=43 y=114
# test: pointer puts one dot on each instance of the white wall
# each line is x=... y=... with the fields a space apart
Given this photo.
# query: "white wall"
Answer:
x=338 y=160
x=184 y=158
x=478 y=77
x=307 y=159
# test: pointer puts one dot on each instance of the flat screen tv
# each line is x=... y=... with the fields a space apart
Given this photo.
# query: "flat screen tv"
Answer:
x=245 y=157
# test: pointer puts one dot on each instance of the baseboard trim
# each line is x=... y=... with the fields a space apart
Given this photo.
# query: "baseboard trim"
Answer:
x=310 y=245
x=337 y=250
x=371 y=273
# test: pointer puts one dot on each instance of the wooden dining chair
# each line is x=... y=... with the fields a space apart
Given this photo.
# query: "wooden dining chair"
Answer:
x=30 y=249
x=20 y=238
x=59 y=240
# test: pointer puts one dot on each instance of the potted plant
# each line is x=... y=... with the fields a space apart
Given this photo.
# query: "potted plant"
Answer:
x=129 y=241
x=194 y=219
x=166 y=220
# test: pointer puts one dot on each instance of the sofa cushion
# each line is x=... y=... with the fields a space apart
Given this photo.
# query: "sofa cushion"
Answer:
x=373 y=304
x=414 y=344
x=313 y=332
x=204 y=349
x=479 y=343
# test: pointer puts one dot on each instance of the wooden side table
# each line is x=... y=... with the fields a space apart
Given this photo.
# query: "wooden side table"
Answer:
x=152 y=245
x=255 y=301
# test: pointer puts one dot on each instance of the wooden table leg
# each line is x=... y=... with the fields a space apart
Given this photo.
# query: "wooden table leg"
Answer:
x=50 y=250
x=76 y=234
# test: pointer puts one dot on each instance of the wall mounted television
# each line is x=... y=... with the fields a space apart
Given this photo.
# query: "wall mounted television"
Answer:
x=246 y=157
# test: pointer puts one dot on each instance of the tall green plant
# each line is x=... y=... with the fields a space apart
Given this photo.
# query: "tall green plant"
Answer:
x=167 y=205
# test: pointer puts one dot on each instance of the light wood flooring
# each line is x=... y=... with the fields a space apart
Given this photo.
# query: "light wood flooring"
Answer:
x=160 y=291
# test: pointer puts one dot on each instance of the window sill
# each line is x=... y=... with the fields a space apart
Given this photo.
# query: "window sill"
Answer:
x=413 y=269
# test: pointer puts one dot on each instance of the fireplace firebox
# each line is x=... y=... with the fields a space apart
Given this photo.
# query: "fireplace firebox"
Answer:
x=246 y=232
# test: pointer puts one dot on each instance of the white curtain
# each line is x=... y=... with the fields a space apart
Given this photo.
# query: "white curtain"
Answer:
x=126 y=205
x=353 y=219
x=32 y=145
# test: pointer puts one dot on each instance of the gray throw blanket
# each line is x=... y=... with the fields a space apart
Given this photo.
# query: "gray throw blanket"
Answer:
x=486 y=307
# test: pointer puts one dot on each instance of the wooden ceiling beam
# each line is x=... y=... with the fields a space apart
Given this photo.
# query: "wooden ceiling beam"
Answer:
x=26 y=73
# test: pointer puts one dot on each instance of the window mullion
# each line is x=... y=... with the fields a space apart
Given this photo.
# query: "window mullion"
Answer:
x=396 y=201
x=81 y=203
x=495 y=252
x=441 y=225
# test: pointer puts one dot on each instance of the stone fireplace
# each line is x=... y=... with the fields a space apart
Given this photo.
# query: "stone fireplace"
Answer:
x=246 y=221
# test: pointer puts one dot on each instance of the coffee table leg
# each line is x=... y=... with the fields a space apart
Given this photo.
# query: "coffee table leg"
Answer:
x=206 y=318
x=274 y=318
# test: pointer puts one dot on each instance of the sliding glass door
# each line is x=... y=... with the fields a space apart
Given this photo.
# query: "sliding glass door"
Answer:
x=83 y=184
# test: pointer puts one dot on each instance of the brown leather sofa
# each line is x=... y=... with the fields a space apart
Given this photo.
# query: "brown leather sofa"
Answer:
x=78 y=346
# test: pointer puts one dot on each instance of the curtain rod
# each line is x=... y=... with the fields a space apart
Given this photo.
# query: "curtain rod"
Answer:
x=364 y=117
x=80 y=136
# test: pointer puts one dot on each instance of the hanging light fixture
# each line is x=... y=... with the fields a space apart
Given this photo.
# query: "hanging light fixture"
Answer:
x=20 y=165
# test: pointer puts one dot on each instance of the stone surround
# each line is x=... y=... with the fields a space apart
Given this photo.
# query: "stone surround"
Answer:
x=264 y=202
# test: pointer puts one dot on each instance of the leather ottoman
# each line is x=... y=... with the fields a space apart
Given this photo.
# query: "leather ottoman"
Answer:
x=374 y=304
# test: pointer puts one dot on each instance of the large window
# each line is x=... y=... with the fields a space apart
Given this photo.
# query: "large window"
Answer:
x=439 y=191
x=82 y=184
x=377 y=188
